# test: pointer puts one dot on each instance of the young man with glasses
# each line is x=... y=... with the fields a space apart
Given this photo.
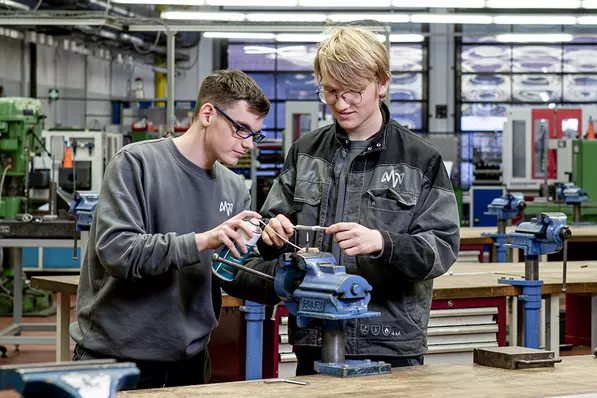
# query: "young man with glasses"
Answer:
x=385 y=197
x=146 y=292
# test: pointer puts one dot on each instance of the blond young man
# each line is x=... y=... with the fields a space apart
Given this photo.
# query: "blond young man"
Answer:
x=146 y=291
x=385 y=197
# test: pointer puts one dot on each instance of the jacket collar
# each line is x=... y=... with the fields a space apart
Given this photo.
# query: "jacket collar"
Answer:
x=378 y=141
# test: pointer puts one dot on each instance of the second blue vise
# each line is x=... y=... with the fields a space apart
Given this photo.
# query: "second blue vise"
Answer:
x=312 y=285
x=82 y=208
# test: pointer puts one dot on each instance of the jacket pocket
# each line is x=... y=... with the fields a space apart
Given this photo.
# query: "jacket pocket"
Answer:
x=307 y=204
x=389 y=209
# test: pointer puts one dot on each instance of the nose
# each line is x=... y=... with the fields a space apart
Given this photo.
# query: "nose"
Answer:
x=248 y=143
x=341 y=104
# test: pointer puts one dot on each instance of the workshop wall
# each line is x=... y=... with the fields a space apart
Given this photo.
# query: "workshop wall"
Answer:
x=85 y=83
x=201 y=63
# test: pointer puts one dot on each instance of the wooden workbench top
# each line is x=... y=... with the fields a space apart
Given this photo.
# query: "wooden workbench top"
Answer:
x=574 y=375
x=473 y=235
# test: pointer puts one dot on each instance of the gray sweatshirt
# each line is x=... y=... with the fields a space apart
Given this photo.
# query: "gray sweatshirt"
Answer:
x=145 y=292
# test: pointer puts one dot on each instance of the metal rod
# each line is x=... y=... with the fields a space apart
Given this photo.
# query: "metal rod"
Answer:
x=170 y=63
x=309 y=228
x=531 y=269
x=501 y=226
x=576 y=212
x=565 y=265
x=332 y=348
x=216 y=258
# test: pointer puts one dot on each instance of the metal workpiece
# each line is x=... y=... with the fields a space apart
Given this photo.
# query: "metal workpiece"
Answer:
x=514 y=357
x=216 y=258
x=315 y=228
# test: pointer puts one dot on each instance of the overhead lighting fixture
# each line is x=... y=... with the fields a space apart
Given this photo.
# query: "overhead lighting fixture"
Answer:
x=49 y=21
x=14 y=4
x=534 y=38
x=252 y=3
x=345 y=3
x=203 y=16
x=289 y=17
x=163 y=2
x=387 y=17
x=532 y=4
x=240 y=35
x=440 y=4
x=452 y=18
x=406 y=38
x=589 y=3
x=587 y=20
x=534 y=20
x=317 y=37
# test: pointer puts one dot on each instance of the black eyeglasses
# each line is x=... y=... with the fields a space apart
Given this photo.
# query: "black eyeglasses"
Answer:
x=242 y=131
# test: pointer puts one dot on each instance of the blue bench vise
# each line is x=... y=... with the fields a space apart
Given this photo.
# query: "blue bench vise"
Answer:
x=505 y=208
x=571 y=194
x=80 y=379
x=548 y=233
x=82 y=209
x=313 y=286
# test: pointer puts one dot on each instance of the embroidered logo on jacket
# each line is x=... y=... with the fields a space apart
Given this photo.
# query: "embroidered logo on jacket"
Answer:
x=226 y=206
x=393 y=177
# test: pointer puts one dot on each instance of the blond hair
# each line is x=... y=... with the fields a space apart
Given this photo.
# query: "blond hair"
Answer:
x=353 y=57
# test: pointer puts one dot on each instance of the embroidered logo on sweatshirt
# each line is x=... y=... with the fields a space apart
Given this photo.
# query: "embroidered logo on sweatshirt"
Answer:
x=392 y=176
x=227 y=207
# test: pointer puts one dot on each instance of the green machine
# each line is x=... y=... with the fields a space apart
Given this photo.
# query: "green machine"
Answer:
x=585 y=152
x=20 y=139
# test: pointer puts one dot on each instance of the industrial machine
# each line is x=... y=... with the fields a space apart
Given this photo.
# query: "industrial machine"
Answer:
x=313 y=286
x=97 y=378
x=545 y=234
x=20 y=139
x=505 y=208
x=532 y=140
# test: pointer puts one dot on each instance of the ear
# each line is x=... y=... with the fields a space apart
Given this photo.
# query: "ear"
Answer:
x=383 y=87
x=206 y=113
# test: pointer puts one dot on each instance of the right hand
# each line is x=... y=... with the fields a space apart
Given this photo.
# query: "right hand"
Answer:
x=280 y=225
x=226 y=234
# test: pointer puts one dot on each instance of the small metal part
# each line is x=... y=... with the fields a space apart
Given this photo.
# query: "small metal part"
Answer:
x=272 y=381
x=514 y=357
x=315 y=228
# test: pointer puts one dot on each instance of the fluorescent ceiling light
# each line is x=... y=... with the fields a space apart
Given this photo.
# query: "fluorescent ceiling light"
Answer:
x=587 y=20
x=252 y=3
x=300 y=37
x=345 y=3
x=534 y=20
x=589 y=3
x=49 y=21
x=534 y=38
x=163 y=2
x=543 y=4
x=439 y=4
x=451 y=18
x=317 y=37
x=388 y=17
x=288 y=17
x=240 y=35
x=14 y=4
x=203 y=16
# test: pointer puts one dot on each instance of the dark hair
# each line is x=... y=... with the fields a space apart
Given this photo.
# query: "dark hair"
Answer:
x=226 y=87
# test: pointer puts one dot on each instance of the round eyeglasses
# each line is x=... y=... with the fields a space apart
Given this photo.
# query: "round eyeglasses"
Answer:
x=350 y=97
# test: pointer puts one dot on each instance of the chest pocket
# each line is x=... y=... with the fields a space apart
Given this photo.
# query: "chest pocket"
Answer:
x=390 y=209
x=307 y=202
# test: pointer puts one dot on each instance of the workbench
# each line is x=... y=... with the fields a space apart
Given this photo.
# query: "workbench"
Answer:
x=66 y=286
x=574 y=375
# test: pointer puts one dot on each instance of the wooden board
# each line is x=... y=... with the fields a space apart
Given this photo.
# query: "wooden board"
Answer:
x=69 y=283
x=473 y=235
x=575 y=375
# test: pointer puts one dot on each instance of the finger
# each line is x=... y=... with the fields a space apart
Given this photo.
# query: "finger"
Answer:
x=248 y=214
x=347 y=244
x=276 y=232
x=353 y=251
x=274 y=238
x=234 y=236
x=338 y=227
x=344 y=235
x=230 y=245
x=266 y=238
x=286 y=224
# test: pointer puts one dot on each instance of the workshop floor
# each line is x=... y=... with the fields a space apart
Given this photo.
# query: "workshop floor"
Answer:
x=46 y=353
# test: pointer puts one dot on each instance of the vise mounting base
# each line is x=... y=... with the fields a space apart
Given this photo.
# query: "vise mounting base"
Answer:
x=352 y=368
x=514 y=357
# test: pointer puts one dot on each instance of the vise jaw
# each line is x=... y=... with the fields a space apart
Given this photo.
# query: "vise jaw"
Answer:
x=80 y=379
x=507 y=206
x=312 y=285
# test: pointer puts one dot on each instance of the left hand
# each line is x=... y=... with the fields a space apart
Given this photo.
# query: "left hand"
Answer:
x=355 y=239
